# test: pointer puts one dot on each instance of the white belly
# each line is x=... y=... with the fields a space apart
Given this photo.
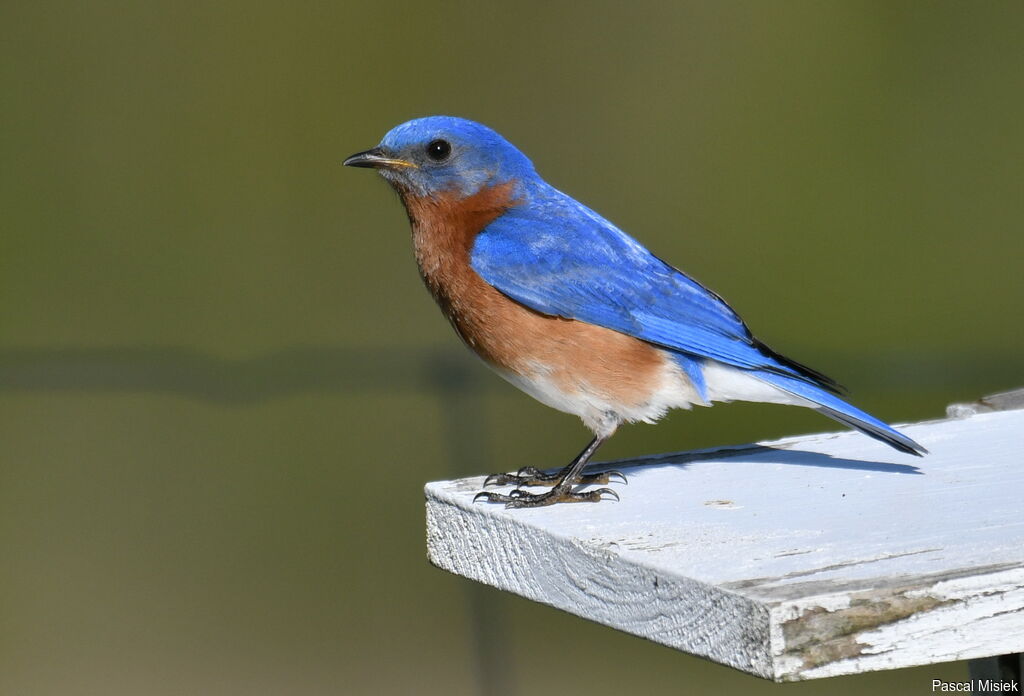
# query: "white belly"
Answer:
x=602 y=413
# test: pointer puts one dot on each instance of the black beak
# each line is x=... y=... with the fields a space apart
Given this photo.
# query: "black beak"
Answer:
x=375 y=158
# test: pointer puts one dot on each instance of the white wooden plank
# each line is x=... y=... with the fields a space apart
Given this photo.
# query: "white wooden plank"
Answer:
x=807 y=557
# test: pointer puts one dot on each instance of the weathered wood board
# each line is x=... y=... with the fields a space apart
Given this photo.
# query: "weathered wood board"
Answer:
x=807 y=557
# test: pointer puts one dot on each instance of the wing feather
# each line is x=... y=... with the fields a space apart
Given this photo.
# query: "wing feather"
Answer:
x=562 y=259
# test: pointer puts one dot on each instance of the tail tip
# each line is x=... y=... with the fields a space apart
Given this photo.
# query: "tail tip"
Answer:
x=894 y=439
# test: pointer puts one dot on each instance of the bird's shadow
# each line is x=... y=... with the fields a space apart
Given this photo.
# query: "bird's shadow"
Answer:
x=759 y=454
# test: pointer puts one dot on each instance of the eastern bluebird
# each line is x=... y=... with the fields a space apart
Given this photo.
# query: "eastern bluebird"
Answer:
x=570 y=309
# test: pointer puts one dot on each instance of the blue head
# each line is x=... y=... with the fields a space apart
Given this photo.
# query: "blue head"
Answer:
x=444 y=154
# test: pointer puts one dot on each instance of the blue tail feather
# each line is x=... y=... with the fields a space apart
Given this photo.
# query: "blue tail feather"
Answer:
x=832 y=406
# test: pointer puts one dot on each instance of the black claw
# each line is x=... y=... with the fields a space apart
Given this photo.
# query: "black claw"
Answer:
x=496 y=480
x=609 y=491
x=616 y=472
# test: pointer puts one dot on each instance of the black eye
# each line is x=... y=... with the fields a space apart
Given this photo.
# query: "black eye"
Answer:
x=438 y=150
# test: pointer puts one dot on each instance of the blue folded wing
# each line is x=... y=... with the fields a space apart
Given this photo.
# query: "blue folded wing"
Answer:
x=565 y=260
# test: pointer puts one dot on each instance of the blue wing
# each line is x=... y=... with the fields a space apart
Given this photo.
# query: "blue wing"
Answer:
x=560 y=258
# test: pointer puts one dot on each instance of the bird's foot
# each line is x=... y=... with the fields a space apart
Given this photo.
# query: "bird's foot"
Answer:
x=532 y=476
x=561 y=493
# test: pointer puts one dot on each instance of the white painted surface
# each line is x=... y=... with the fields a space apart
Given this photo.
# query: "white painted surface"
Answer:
x=806 y=557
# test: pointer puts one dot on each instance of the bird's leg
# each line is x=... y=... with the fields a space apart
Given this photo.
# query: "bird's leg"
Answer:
x=562 y=488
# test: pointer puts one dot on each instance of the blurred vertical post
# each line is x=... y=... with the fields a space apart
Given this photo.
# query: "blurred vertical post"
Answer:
x=465 y=431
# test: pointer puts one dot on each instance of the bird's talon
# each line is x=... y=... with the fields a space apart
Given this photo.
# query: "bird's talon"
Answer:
x=495 y=480
x=602 y=491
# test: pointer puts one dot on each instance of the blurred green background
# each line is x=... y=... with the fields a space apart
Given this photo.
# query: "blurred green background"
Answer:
x=222 y=385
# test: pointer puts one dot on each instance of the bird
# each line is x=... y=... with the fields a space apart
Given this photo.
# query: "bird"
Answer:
x=572 y=310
